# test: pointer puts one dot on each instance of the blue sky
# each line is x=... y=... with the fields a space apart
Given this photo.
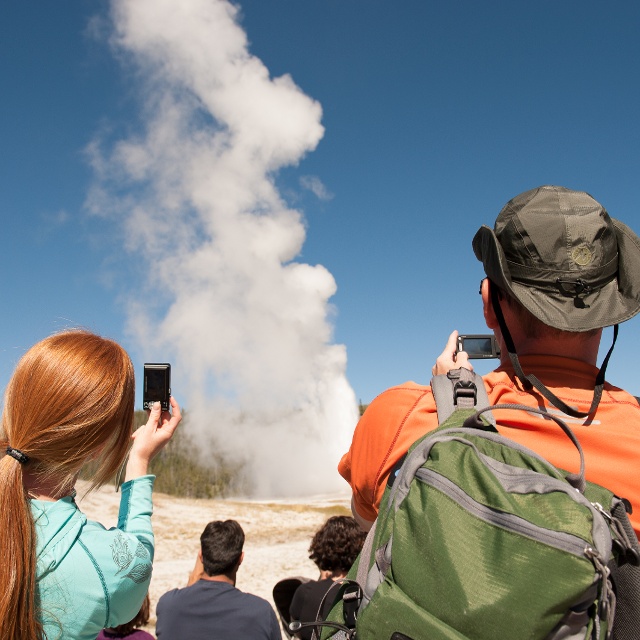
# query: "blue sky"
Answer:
x=434 y=115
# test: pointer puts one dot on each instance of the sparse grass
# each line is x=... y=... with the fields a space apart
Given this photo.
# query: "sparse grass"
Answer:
x=179 y=470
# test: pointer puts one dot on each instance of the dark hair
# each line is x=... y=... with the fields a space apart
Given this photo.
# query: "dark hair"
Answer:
x=142 y=618
x=336 y=545
x=221 y=544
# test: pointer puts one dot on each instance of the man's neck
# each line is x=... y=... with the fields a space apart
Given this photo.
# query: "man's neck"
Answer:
x=577 y=346
x=219 y=578
x=583 y=350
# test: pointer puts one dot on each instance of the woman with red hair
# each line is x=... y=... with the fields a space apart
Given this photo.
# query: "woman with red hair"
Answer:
x=71 y=401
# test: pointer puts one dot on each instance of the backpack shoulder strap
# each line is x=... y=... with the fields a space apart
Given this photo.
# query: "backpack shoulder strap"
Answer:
x=460 y=389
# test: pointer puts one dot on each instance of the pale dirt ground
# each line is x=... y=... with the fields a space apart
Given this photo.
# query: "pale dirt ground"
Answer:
x=277 y=534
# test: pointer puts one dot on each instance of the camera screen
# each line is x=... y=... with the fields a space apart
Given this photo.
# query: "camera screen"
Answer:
x=477 y=346
x=156 y=384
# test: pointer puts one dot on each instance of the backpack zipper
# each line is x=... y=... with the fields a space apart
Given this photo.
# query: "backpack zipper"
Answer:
x=558 y=539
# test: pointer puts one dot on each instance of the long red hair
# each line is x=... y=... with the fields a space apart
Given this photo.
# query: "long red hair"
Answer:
x=70 y=400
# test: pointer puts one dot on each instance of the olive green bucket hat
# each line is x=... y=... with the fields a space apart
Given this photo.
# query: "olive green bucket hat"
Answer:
x=561 y=255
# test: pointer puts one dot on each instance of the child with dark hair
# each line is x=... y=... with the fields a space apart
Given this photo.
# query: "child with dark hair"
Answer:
x=334 y=548
x=131 y=630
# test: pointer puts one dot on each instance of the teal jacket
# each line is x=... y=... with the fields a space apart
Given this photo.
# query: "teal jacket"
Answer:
x=89 y=577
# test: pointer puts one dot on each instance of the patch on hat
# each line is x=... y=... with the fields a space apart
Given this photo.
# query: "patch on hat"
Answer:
x=582 y=255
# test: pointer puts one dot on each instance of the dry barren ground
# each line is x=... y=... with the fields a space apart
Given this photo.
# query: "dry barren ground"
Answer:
x=277 y=536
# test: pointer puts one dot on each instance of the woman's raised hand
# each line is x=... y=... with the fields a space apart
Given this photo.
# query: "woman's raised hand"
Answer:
x=150 y=438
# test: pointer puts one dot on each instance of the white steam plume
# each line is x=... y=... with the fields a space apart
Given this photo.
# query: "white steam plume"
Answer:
x=247 y=326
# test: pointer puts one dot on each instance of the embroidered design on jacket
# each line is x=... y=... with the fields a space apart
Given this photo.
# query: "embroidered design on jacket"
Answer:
x=121 y=554
x=140 y=573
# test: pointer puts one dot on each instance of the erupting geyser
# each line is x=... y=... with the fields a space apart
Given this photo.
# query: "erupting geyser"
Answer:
x=245 y=325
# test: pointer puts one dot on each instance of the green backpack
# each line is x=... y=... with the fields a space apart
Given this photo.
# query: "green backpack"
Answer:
x=479 y=537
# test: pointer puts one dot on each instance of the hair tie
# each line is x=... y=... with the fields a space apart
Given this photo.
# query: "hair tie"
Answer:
x=18 y=455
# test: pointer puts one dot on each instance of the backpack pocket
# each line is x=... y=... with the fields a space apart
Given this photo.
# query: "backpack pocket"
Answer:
x=391 y=611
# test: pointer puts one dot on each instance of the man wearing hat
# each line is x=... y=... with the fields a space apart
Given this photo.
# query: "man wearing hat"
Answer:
x=559 y=269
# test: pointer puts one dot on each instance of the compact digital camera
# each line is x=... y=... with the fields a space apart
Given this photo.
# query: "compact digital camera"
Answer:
x=479 y=345
x=157 y=385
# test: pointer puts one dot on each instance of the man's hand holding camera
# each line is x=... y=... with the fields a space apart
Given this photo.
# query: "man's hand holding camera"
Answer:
x=451 y=358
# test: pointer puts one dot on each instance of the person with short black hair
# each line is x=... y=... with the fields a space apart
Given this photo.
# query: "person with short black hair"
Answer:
x=210 y=607
x=222 y=544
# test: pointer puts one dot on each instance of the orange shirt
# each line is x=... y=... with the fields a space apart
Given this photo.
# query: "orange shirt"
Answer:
x=610 y=439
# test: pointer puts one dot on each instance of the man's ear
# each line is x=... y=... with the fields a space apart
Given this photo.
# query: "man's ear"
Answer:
x=487 y=308
x=241 y=559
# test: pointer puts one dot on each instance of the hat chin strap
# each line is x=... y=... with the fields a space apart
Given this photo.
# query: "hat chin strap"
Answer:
x=531 y=381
